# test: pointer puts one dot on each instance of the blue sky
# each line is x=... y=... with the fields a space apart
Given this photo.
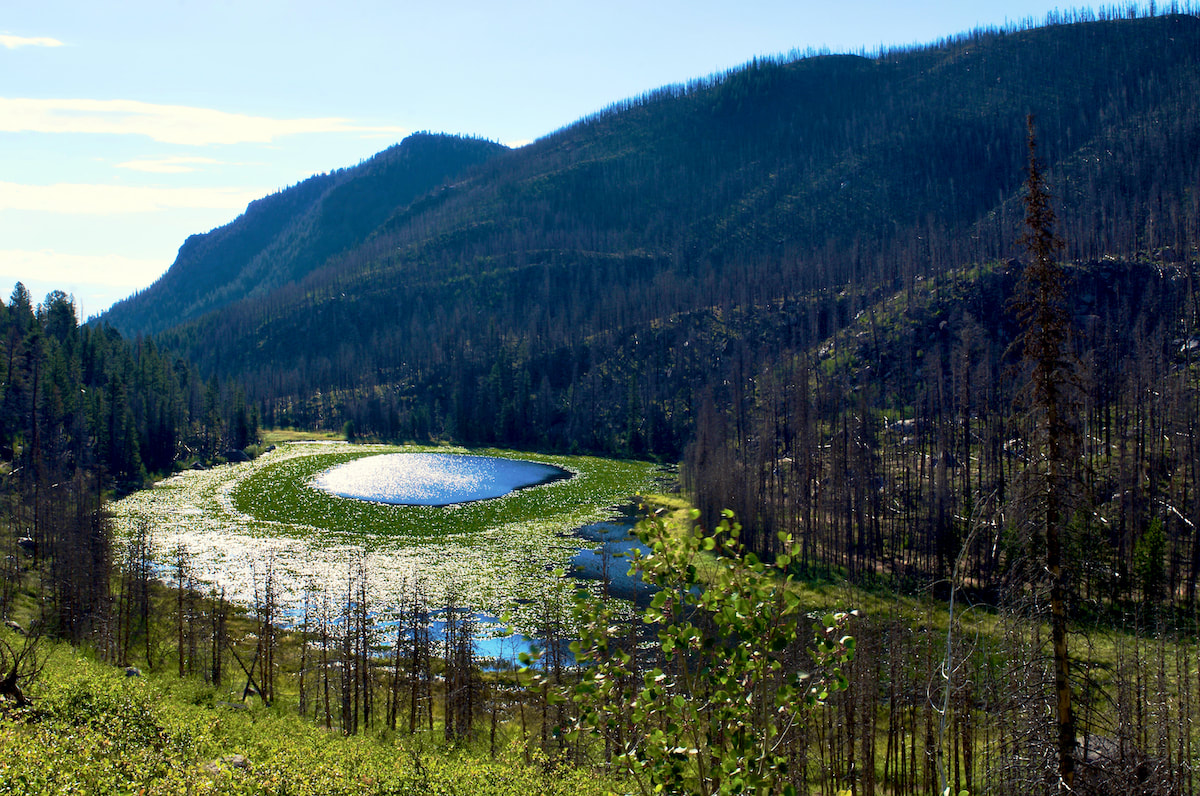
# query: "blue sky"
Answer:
x=127 y=126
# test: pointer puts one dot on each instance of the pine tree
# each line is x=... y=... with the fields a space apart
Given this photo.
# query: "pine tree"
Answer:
x=1045 y=342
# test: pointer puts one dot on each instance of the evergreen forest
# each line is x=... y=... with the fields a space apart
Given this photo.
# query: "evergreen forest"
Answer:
x=919 y=330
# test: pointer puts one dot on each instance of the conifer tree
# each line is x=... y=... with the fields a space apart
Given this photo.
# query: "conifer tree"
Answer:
x=1044 y=338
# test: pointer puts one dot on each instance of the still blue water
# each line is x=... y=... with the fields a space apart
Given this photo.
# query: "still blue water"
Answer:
x=443 y=479
x=608 y=557
x=433 y=479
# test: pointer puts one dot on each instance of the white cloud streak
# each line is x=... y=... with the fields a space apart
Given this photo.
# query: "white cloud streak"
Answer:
x=170 y=124
x=178 y=164
x=89 y=199
x=105 y=269
x=10 y=42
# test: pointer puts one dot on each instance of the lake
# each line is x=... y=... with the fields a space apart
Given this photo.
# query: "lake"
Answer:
x=498 y=555
x=434 y=479
x=607 y=558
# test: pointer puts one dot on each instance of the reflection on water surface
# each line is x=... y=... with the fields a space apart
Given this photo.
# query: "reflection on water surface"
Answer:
x=433 y=479
x=496 y=556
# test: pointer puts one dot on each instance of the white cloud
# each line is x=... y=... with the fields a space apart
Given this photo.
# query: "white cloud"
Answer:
x=119 y=199
x=171 y=124
x=11 y=42
x=112 y=270
x=177 y=164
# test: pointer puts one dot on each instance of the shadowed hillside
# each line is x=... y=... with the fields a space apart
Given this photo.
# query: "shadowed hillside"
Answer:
x=285 y=236
x=922 y=323
x=580 y=292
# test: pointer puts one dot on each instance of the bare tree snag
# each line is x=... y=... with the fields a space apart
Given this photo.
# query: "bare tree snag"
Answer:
x=1045 y=337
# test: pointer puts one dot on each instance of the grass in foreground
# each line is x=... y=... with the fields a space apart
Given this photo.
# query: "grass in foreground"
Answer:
x=90 y=729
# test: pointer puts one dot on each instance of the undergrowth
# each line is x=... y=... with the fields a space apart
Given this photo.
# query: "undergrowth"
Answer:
x=90 y=729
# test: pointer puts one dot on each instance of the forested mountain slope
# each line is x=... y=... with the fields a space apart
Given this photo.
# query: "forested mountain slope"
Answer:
x=587 y=290
x=283 y=237
x=807 y=282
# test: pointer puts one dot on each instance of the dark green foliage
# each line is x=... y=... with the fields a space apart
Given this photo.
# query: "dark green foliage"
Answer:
x=83 y=413
x=792 y=277
x=1148 y=562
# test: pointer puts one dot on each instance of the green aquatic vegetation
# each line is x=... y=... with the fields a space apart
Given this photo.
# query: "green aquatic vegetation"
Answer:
x=237 y=521
x=281 y=492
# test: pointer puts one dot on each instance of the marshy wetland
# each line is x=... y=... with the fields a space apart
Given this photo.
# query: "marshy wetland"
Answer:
x=235 y=523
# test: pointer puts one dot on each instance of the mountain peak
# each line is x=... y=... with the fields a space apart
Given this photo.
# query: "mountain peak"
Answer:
x=282 y=237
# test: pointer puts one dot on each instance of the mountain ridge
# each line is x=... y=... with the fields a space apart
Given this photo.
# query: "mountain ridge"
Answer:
x=282 y=237
x=482 y=309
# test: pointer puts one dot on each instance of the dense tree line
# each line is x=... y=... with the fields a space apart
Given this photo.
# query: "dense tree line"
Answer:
x=793 y=277
x=84 y=413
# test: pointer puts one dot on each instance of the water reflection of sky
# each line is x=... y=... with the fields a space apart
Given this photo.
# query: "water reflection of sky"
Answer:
x=504 y=570
x=608 y=558
x=433 y=479
x=492 y=642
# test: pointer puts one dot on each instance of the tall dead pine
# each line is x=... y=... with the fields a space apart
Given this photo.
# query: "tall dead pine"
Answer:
x=1045 y=344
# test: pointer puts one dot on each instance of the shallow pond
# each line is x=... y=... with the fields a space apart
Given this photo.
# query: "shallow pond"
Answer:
x=238 y=522
x=607 y=556
x=434 y=479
